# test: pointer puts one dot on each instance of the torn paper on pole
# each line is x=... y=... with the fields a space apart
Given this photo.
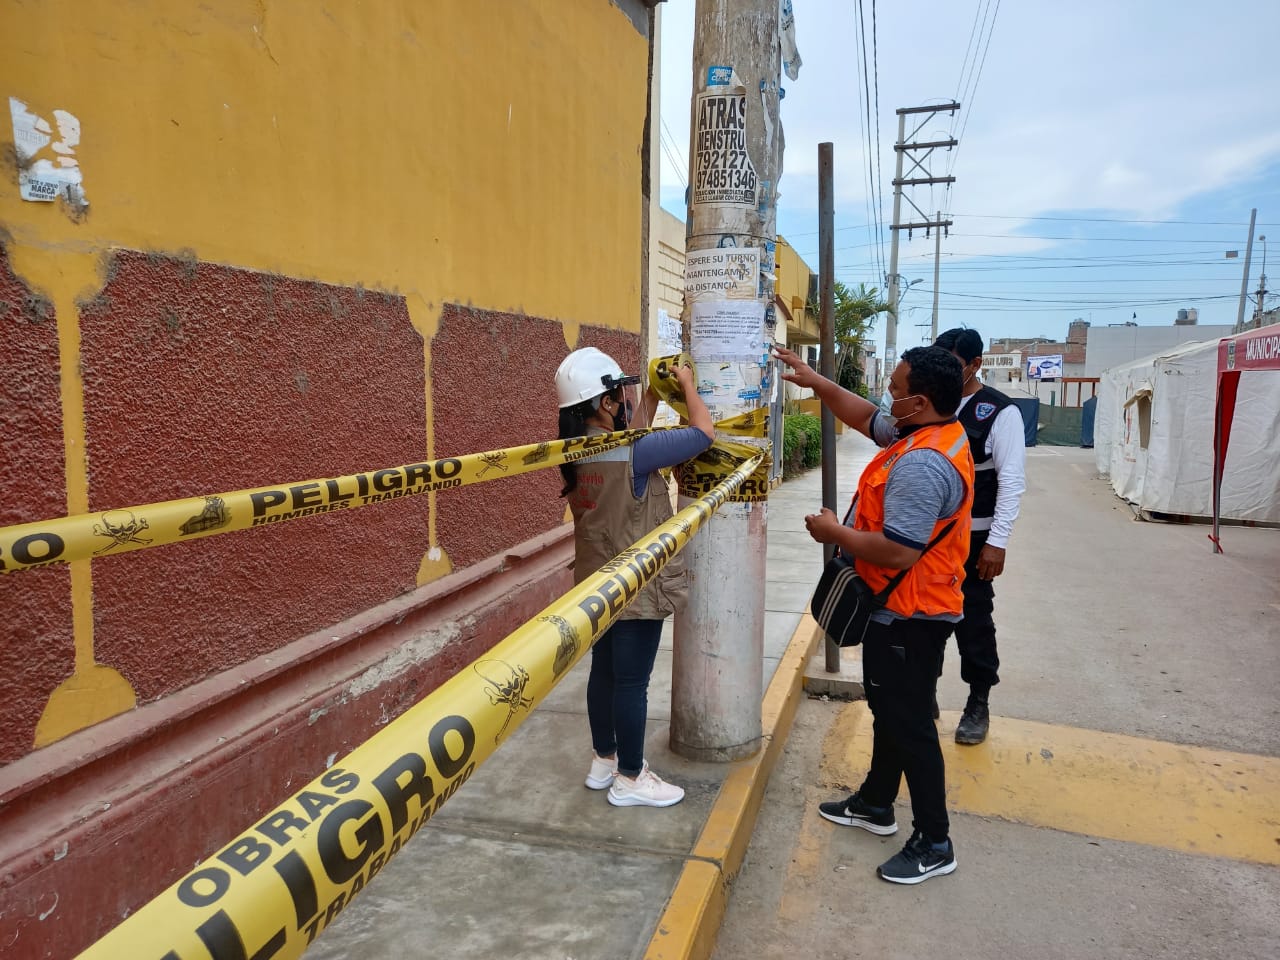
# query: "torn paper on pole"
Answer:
x=730 y=330
x=791 y=61
x=722 y=173
x=47 y=165
x=669 y=333
x=722 y=273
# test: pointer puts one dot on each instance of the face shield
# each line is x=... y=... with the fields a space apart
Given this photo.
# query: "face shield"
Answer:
x=627 y=387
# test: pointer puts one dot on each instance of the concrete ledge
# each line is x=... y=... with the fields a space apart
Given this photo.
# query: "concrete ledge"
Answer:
x=689 y=925
x=844 y=685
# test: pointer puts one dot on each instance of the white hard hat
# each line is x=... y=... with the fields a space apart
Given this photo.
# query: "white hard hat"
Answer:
x=588 y=373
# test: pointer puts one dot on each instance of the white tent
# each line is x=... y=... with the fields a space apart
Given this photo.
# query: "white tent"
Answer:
x=1153 y=436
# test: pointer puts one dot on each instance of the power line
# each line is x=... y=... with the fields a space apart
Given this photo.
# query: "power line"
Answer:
x=964 y=63
x=672 y=153
x=1178 y=299
x=1027 y=236
x=970 y=86
x=875 y=63
x=973 y=91
x=1000 y=216
x=875 y=209
x=1198 y=223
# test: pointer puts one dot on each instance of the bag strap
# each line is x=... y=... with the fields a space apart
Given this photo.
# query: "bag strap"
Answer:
x=883 y=595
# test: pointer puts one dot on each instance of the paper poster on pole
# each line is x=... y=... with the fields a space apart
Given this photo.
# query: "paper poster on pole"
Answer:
x=669 y=334
x=722 y=273
x=728 y=330
x=723 y=175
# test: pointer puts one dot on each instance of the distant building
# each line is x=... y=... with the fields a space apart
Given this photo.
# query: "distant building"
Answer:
x=1111 y=346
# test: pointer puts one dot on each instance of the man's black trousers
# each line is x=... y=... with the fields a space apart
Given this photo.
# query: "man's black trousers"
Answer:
x=900 y=663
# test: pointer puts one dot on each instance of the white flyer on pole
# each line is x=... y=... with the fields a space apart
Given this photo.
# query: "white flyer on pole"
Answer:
x=728 y=330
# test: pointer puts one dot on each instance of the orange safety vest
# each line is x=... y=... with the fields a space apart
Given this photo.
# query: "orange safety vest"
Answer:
x=932 y=584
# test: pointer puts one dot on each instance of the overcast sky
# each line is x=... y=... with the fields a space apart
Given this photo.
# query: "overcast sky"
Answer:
x=1152 y=110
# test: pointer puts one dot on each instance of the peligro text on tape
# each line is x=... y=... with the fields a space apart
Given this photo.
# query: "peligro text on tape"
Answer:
x=272 y=890
x=113 y=532
x=708 y=469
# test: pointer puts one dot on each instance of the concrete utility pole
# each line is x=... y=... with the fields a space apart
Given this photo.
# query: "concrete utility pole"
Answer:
x=735 y=155
x=1262 y=286
x=937 y=260
x=827 y=282
x=919 y=153
x=1244 y=282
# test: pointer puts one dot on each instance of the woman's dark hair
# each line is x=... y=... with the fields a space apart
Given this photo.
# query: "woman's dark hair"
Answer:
x=937 y=374
x=963 y=342
x=573 y=423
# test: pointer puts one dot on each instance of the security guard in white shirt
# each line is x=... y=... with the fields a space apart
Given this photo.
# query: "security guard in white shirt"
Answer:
x=997 y=442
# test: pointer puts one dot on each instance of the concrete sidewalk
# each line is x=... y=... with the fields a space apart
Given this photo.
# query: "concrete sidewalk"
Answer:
x=526 y=862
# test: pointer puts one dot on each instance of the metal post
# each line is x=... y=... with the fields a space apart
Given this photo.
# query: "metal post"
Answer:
x=937 y=258
x=827 y=281
x=718 y=663
x=1244 y=283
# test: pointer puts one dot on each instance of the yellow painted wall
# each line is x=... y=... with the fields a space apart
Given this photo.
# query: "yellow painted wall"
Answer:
x=450 y=151
x=793 y=287
x=487 y=153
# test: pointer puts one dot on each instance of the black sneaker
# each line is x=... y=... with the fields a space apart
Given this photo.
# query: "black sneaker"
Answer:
x=919 y=861
x=854 y=813
x=974 y=722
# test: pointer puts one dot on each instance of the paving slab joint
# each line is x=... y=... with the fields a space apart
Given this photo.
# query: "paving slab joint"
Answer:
x=690 y=923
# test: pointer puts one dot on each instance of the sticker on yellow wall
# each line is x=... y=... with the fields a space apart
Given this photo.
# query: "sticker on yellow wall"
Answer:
x=47 y=166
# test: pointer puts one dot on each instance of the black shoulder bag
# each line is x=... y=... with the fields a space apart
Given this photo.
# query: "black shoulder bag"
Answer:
x=843 y=602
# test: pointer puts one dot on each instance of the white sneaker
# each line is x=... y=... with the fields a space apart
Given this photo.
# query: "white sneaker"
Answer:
x=602 y=773
x=646 y=790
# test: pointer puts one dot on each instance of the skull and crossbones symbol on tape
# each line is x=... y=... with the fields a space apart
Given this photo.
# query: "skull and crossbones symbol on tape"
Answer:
x=505 y=684
x=122 y=527
x=493 y=461
x=568 y=647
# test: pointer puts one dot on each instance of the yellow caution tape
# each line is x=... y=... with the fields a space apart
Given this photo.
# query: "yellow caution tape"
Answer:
x=112 y=532
x=283 y=880
x=708 y=469
x=711 y=466
x=751 y=423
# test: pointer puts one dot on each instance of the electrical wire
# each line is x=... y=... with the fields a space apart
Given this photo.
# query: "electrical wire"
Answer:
x=972 y=94
x=876 y=209
x=875 y=65
x=668 y=141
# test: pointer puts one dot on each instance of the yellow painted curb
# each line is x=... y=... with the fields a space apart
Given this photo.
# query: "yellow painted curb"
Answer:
x=1188 y=799
x=689 y=925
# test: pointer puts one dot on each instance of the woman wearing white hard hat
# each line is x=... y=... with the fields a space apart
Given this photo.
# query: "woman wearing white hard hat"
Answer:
x=616 y=497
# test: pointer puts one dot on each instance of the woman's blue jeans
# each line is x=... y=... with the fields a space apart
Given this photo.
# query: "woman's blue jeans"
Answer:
x=618 y=691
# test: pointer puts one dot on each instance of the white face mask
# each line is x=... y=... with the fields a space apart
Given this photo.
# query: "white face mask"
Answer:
x=886 y=407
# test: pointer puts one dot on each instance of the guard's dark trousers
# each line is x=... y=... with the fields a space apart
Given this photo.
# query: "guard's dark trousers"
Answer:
x=976 y=633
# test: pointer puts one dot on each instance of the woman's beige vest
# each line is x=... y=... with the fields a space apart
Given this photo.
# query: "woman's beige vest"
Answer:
x=608 y=518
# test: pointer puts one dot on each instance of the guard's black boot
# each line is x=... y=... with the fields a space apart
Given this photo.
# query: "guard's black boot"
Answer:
x=975 y=720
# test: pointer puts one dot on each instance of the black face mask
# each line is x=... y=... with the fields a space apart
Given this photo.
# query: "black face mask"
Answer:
x=620 y=418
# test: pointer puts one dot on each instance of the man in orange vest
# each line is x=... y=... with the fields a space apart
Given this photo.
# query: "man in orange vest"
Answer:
x=911 y=513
